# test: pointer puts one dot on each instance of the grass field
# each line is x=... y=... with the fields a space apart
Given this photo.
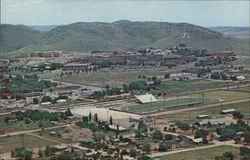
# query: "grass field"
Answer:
x=28 y=141
x=20 y=125
x=113 y=78
x=191 y=85
x=223 y=95
x=159 y=105
x=201 y=154
x=242 y=107
x=61 y=131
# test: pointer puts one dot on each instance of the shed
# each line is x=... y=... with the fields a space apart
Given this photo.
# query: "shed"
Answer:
x=228 y=111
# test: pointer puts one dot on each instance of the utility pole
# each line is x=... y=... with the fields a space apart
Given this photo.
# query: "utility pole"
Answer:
x=154 y=122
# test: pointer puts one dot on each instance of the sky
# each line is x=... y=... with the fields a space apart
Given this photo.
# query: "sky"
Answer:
x=60 y=12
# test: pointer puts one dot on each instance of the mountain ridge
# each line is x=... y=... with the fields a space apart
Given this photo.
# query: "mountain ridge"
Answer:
x=123 y=34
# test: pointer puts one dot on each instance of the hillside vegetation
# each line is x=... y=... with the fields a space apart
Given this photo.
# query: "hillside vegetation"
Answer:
x=118 y=35
x=238 y=32
x=14 y=37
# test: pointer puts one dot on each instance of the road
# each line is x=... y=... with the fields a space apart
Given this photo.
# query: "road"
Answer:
x=30 y=131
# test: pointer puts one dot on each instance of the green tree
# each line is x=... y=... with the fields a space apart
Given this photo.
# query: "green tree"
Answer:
x=157 y=135
x=146 y=148
x=111 y=120
x=132 y=153
x=49 y=150
x=35 y=100
x=98 y=136
x=46 y=99
x=21 y=153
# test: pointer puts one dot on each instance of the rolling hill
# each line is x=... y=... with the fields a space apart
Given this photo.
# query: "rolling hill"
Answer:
x=14 y=37
x=118 y=35
x=238 y=32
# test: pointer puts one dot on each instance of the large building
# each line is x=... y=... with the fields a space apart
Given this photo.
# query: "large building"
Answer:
x=76 y=66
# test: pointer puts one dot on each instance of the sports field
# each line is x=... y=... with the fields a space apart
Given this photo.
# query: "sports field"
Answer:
x=223 y=95
x=202 y=154
x=113 y=78
x=160 y=105
x=214 y=112
x=172 y=86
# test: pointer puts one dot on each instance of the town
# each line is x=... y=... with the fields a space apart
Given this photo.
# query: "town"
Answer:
x=125 y=104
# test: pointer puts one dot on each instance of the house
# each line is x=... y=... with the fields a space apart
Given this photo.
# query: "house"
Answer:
x=219 y=138
x=90 y=154
x=240 y=78
x=53 y=133
x=202 y=116
x=61 y=147
x=2 y=131
x=168 y=144
x=61 y=101
x=76 y=66
x=46 y=104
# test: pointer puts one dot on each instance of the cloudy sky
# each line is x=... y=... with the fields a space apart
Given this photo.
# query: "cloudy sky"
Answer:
x=51 y=12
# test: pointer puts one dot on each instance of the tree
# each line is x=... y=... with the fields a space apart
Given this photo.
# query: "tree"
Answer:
x=68 y=112
x=247 y=137
x=183 y=125
x=168 y=137
x=144 y=157
x=98 y=136
x=46 y=99
x=157 y=135
x=146 y=148
x=6 y=119
x=132 y=153
x=21 y=153
x=90 y=116
x=244 y=150
x=95 y=117
x=49 y=150
x=35 y=100
x=167 y=75
x=111 y=120
x=142 y=128
x=238 y=115
x=162 y=147
x=40 y=153
x=228 y=155
x=200 y=133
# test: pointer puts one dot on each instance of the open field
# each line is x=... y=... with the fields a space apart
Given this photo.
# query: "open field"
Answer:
x=223 y=95
x=201 y=154
x=27 y=141
x=214 y=112
x=60 y=138
x=159 y=105
x=20 y=125
x=113 y=78
x=190 y=85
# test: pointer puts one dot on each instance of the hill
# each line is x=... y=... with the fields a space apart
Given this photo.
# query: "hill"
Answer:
x=44 y=28
x=238 y=32
x=14 y=37
x=124 y=34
